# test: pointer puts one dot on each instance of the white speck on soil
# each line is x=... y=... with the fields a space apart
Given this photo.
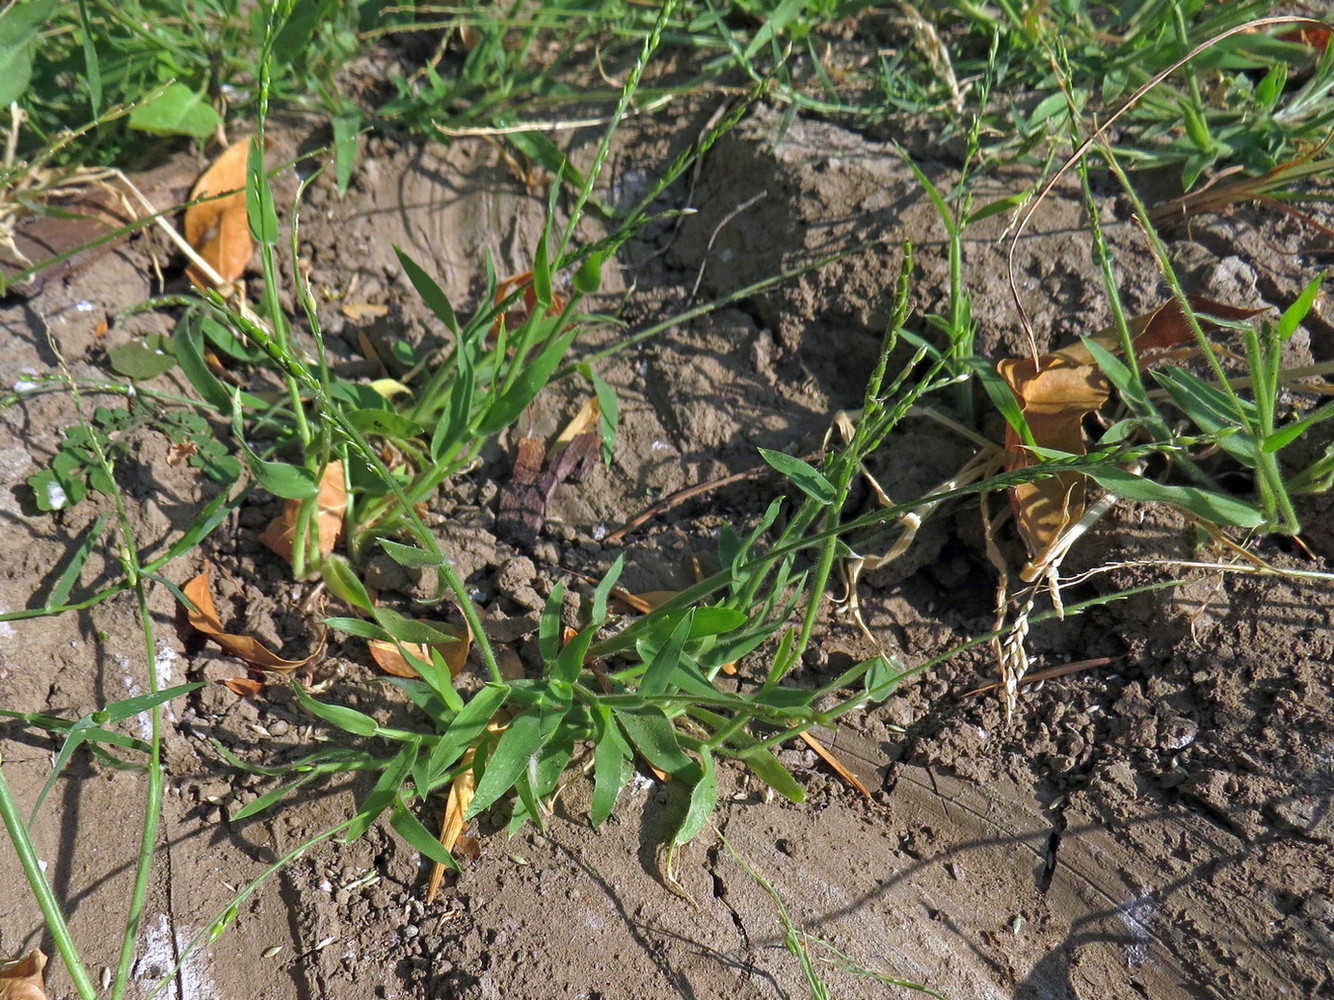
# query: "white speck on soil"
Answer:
x=1137 y=914
x=159 y=955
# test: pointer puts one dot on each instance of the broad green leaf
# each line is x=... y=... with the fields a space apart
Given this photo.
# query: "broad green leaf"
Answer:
x=178 y=110
x=804 y=475
x=611 y=768
x=881 y=679
x=542 y=269
x=652 y=734
x=1212 y=411
x=520 y=741
x=611 y=415
x=347 y=719
x=588 y=278
x=135 y=360
x=1284 y=436
x=703 y=800
x=20 y=25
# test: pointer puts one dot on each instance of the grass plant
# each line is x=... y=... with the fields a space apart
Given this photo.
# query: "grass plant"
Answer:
x=648 y=691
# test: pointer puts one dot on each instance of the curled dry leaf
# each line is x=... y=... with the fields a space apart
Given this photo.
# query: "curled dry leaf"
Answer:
x=205 y=619
x=217 y=227
x=332 y=501
x=21 y=978
x=1066 y=386
x=1055 y=396
x=387 y=656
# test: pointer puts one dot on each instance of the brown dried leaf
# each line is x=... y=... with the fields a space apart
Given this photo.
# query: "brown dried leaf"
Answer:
x=455 y=654
x=332 y=500
x=248 y=648
x=839 y=767
x=364 y=310
x=452 y=823
x=1055 y=397
x=623 y=602
x=1165 y=329
x=243 y=687
x=21 y=978
x=218 y=228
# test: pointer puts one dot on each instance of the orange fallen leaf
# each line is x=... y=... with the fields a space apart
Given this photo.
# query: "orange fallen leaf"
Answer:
x=21 y=978
x=1055 y=397
x=204 y=617
x=244 y=687
x=218 y=228
x=332 y=501
x=455 y=654
x=181 y=452
x=1311 y=35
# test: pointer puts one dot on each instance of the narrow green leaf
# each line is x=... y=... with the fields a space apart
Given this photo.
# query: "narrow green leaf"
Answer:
x=773 y=774
x=347 y=719
x=536 y=374
x=260 y=210
x=408 y=630
x=470 y=723
x=69 y=576
x=409 y=556
x=344 y=583
x=1292 y=316
x=604 y=588
x=1214 y=507
x=411 y=830
x=359 y=627
x=260 y=803
x=804 y=475
x=610 y=408
x=520 y=741
x=376 y=420
x=346 y=142
x=435 y=299
x=664 y=664
x=549 y=628
x=611 y=768
x=384 y=794
x=189 y=343
x=703 y=800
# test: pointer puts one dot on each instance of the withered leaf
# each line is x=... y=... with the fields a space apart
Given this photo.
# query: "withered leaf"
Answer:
x=1055 y=396
x=218 y=228
x=248 y=648
x=243 y=687
x=21 y=978
x=455 y=654
x=452 y=822
x=332 y=501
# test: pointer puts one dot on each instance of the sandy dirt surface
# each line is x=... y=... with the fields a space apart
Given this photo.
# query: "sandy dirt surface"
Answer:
x=1160 y=825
